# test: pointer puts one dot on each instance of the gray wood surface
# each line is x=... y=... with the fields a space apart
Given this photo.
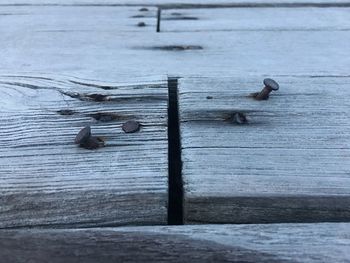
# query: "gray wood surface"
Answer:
x=309 y=243
x=164 y=2
x=47 y=180
x=290 y=163
x=105 y=43
x=235 y=20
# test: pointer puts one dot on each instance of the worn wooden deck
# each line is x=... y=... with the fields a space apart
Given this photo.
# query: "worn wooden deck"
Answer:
x=68 y=64
x=289 y=163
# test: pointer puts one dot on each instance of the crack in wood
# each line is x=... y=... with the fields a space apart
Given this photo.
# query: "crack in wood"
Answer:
x=108 y=116
x=175 y=204
x=177 y=47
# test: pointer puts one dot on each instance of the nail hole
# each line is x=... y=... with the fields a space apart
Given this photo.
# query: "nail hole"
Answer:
x=178 y=47
x=238 y=118
x=106 y=116
x=97 y=97
x=66 y=112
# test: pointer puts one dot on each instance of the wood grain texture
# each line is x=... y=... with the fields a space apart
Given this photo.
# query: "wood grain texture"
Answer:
x=47 y=180
x=166 y=2
x=210 y=243
x=233 y=20
x=290 y=163
x=105 y=42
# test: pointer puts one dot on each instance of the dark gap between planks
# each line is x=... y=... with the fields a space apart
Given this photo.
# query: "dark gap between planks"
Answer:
x=175 y=202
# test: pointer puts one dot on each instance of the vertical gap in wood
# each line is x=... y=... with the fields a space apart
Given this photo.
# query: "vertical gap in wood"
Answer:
x=175 y=202
x=159 y=14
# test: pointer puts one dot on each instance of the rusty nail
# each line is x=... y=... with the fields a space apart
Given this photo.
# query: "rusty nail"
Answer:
x=131 y=126
x=270 y=85
x=83 y=135
x=239 y=118
x=143 y=9
x=141 y=24
x=85 y=140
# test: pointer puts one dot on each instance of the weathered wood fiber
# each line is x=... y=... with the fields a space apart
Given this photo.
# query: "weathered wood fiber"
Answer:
x=105 y=42
x=233 y=20
x=47 y=180
x=211 y=243
x=290 y=163
x=169 y=3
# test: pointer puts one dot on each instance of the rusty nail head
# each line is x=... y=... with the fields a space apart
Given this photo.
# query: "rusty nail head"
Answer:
x=270 y=85
x=131 y=126
x=143 y=9
x=85 y=140
x=83 y=135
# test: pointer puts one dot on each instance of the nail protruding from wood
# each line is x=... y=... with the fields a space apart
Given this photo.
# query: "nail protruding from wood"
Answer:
x=141 y=24
x=159 y=13
x=85 y=140
x=131 y=126
x=83 y=135
x=270 y=85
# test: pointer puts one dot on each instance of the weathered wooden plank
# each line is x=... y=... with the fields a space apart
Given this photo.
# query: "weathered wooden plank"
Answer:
x=45 y=179
x=167 y=2
x=256 y=19
x=105 y=43
x=290 y=163
x=211 y=243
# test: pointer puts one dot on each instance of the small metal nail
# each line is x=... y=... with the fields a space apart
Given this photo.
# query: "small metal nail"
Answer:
x=131 y=126
x=141 y=24
x=209 y=97
x=270 y=85
x=85 y=140
x=143 y=9
x=83 y=135
x=239 y=118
